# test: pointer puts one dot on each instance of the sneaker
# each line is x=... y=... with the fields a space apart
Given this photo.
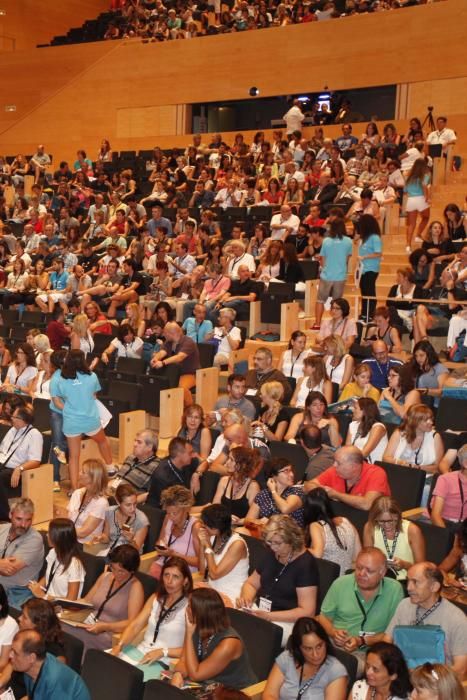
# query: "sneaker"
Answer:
x=315 y=328
x=56 y=488
x=60 y=455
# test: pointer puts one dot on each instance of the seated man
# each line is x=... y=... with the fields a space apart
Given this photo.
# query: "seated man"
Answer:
x=138 y=468
x=45 y=677
x=237 y=257
x=425 y=606
x=353 y=481
x=20 y=450
x=380 y=364
x=105 y=286
x=177 y=468
x=235 y=398
x=357 y=607
x=22 y=550
x=179 y=350
x=241 y=292
x=131 y=286
x=320 y=457
x=265 y=372
x=197 y=327
x=58 y=290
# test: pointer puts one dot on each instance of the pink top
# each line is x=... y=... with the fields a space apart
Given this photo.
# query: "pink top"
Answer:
x=214 y=287
x=448 y=488
x=345 y=328
x=183 y=544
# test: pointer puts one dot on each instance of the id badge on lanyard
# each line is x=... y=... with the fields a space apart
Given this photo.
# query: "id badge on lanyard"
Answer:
x=265 y=604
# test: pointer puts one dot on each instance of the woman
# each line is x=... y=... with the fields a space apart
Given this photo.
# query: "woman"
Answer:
x=104 y=154
x=316 y=413
x=314 y=379
x=226 y=336
x=456 y=222
x=286 y=583
x=98 y=322
x=429 y=373
x=212 y=650
x=22 y=370
x=293 y=192
x=339 y=365
x=126 y=344
x=437 y=243
x=238 y=489
x=16 y=285
x=135 y=319
x=273 y=420
x=88 y=504
x=326 y=536
x=38 y=281
x=449 y=502
x=269 y=266
x=274 y=194
x=382 y=329
x=162 y=619
x=75 y=395
x=280 y=497
x=307 y=668
x=291 y=360
x=371 y=138
x=64 y=576
x=361 y=387
x=403 y=292
x=223 y=555
x=435 y=682
x=423 y=268
x=117 y=597
x=386 y=675
x=369 y=258
x=5 y=355
x=8 y=629
x=400 y=540
x=454 y=565
x=194 y=430
x=258 y=242
x=289 y=267
x=418 y=191
x=366 y=431
x=338 y=325
x=59 y=443
x=399 y=396
x=124 y=523
x=81 y=335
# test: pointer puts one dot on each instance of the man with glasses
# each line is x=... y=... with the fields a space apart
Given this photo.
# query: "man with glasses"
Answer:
x=265 y=372
x=380 y=364
x=20 y=450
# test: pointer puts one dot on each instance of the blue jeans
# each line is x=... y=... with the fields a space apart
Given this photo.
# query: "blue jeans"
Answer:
x=58 y=440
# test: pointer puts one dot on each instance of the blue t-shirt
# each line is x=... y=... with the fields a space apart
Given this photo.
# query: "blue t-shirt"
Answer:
x=372 y=245
x=197 y=332
x=56 y=680
x=80 y=412
x=59 y=281
x=335 y=252
x=414 y=188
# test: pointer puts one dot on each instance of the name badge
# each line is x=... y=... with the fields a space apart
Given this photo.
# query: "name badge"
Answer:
x=184 y=295
x=265 y=604
x=251 y=392
x=91 y=619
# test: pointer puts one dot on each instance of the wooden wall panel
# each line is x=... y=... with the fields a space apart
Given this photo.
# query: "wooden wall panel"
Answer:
x=139 y=122
x=447 y=96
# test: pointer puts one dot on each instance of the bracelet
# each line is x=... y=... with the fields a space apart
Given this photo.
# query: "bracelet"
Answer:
x=208 y=550
x=361 y=640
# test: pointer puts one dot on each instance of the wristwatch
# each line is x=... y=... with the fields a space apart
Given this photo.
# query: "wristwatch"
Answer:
x=21 y=468
x=208 y=550
x=165 y=652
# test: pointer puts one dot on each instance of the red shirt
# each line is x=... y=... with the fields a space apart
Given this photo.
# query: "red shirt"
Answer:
x=372 y=478
x=57 y=333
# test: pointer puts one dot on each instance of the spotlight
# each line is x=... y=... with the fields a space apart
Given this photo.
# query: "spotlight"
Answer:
x=253 y=92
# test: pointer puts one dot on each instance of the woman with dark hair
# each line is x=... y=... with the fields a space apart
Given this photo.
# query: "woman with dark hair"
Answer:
x=371 y=138
x=315 y=413
x=124 y=523
x=291 y=360
x=314 y=378
x=413 y=133
x=326 y=536
x=281 y=495
x=335 y=253
x=386 y=675
x=194 y=430
x=273 y=195
x=59 y=443
x=127 y=344
x=269 y=266
x=164 y=311
x=430 y=374
x=212 y=651
x=382 y=329
x=423 y=268
x=399 y=396
x=258 y=242
x=289 y=267
x=369 y=257
x=223 y=555
x=75 y=394
x=418 y=191
x=162 y=619
x=366 y=431
x=64 y=576
x=8 y=629
x=456 y=222
x=22 y=370
x=117 y=597
x=237 y=490
x=307 y=668
x=437 y=243
x=339 y=324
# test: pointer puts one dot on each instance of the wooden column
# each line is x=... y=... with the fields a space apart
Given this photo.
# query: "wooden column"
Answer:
x=129 y=424
x=170 y=412
x=207 y=387
x=289 y=319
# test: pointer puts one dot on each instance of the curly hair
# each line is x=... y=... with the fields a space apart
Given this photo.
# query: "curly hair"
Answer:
x=246 y=461
x=287 y=529
x=176 y=496
x=42 y=615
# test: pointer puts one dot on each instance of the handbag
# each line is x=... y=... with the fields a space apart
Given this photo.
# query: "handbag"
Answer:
x=420 y=644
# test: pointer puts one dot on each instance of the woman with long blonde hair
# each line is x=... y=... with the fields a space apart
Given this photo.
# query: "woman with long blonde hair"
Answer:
x=135 y=318
x=81 y=336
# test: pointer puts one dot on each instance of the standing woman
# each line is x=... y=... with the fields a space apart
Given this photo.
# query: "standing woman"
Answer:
x=418 y=191
x=59 y=443
x=22 y=370
x=194 y=430
x=369 y=258
x=88 y=504
x=81 y=336
x=291 y=361
x=76 y=397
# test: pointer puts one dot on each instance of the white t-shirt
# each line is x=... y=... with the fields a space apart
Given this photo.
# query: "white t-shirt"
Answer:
x=443 y=137
x=8 y=629
x=59 y=585
x=133 y=349
x=376 y=455
x=293 y=221
x=224 y=346
x=96 y=507
x=412 y=154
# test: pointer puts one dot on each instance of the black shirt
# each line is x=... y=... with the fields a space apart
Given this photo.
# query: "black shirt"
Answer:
x=279 y=582
x=242 y=289
x=300 y=243
x=87 y=262
x=167 y=475
x=127 y=281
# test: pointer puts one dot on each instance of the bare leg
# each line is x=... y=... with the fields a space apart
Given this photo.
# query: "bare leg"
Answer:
x=74 y=449
x=319 y=308
x=411 y=221
x=422 y=322
x=424 y=218
x=104 y=446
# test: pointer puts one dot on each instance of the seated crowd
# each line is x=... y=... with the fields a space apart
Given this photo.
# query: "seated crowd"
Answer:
x=299 y=451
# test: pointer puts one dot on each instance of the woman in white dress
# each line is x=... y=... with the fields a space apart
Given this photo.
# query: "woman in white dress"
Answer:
x=386 y=675
x=291 y=362
x=366 y=431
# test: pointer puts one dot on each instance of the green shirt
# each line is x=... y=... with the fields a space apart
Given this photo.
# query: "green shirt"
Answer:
x=341 y=605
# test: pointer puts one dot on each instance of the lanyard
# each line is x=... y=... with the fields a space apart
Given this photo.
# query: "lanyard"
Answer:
x=53 y=571
x=110 y=594
x=303 y=688
x=82 y=506
x=173 y=538
x=164 y=613
x=294 y=362
x=365 y=613
x=419 y=620
x=200 y=646
x=175 y=472
x=118 y=529
x=461 y=492
x=278 y=577
x=8 y=542
x=15 y=443
x=390 y=552
x=19 y=375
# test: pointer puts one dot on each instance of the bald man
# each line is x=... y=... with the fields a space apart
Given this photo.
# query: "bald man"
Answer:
x=380 y=364
x=180 y=350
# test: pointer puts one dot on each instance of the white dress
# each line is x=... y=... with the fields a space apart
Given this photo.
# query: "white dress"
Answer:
x=231 y=583
x=294 y=368
x=171 y=631
x=376 y=455
x=8 y=629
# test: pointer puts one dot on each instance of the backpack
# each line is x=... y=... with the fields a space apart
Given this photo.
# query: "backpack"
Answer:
x=420 y=644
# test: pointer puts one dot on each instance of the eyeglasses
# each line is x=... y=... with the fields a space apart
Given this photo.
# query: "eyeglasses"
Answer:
x=286 y=470
x=382 y=523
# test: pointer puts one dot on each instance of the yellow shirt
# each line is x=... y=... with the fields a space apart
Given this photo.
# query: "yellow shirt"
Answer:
x=353 y=389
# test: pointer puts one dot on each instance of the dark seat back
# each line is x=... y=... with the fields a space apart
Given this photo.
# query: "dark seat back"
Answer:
x=94 y=567
x=357 y=517
x=262 y=640
x=328 y=572
x=41 y=414
x=208 y=487
x=438 y=541
x=149 y=583
x=107 y=676
x=450 y=414
x=206 y=354
x=406 y=484
x=156 y=519
x=158 y=690
x=257 y=551
x=295 y=454
x=74 y=649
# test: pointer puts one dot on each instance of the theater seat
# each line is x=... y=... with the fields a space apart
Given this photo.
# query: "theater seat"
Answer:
x=262 y=640
x=108 y=677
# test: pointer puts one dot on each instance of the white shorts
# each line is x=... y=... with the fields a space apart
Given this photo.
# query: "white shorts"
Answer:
x=416 y=204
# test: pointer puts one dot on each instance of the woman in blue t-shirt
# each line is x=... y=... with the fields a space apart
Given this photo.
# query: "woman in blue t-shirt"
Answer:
x=369 y=257
x=75 y=393
x=418 y=191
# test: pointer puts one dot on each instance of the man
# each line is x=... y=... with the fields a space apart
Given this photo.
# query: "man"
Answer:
x=39 y=162
x=347 y=141
x=294 y=118
x=264 y=372
x=380 y=364
x=359 y=163
x=300 y=241
x=182 y=219
x=444 y=136
x=353 y=481
x=322 y=194
x=214 y=288
x=348 y=193
x=425 y=606
x=22 y=552
x=236 y=390
x=138 y=468
x=238 y=257
x=320 y=457
x=237 y=435
x=57 y=332
x=58 y=290
x=20 y=450
x=88 y=259
x=63 y=174
x=179 y=350
x=158 y=220
x=44 y=675
x=176 y=469
x=131 y=286
x=105 y=286
x=241 y=292
x=30 y=239
x=98 y=206
x=197 y=327
x=357 y=607
x=229 y=195
x=182 y=264
x=284 y=224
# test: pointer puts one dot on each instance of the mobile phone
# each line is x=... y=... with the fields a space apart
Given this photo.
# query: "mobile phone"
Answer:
x=126 y=527
x=389 y=562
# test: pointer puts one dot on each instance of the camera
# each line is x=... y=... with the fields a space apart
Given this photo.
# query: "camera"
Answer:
x=430 y=109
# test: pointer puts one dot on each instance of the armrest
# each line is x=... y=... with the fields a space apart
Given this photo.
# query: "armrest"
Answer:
x=146 y=561
x=255 y=691
x=413 y=512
